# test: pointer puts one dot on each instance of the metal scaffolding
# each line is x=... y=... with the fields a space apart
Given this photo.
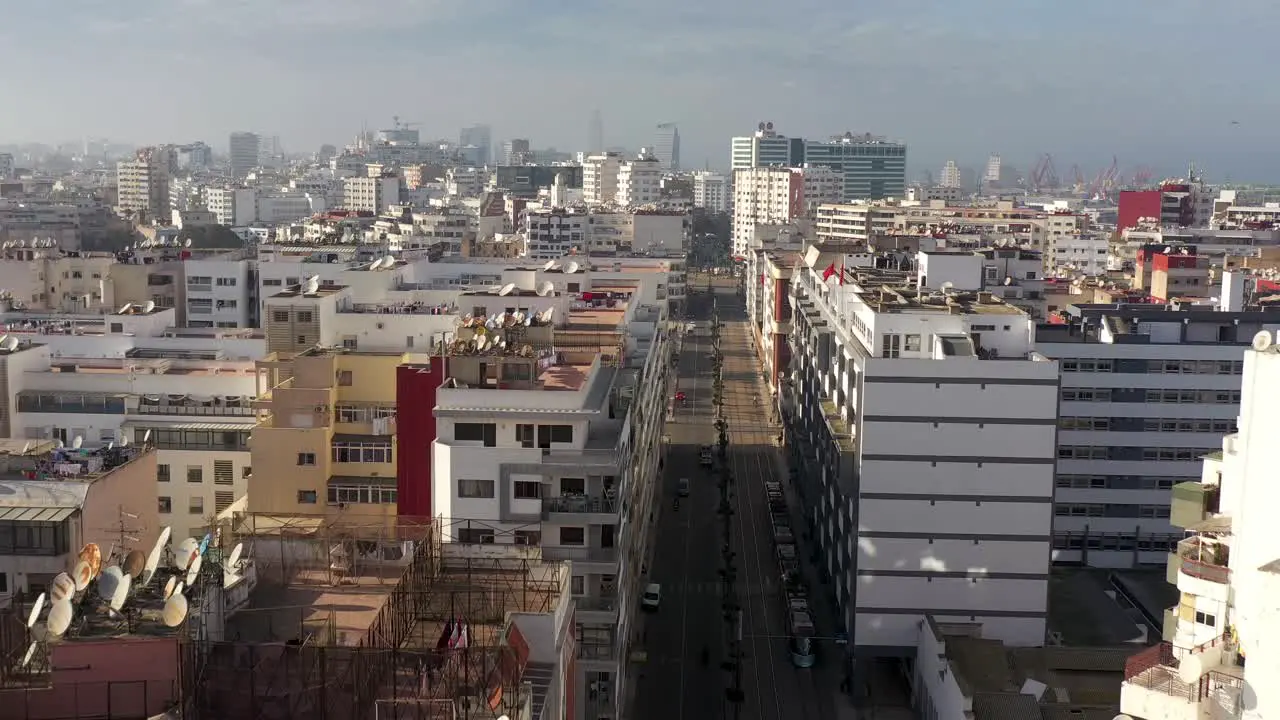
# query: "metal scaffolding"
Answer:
x=360 y=617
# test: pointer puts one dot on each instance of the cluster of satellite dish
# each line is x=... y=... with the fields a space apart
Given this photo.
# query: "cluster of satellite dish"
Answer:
x=161 y=242
x=34 y=242
x=145 y=308
x=570 y=268
x=383 y=263
x=115 y=584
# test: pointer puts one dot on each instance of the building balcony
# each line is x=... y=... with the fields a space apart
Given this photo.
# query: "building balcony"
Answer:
x=597 y=650
x=1204 y=559
x=1192 y=503
x=579 y=505
x=597 y=609
x=1169 y=682
x=604 y=556
x=198 y=410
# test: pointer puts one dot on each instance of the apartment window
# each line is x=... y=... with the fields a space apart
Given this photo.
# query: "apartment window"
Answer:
x=226 y=282
x=223 y=472
x=272 y=282
x=475 y=536
x=306 y=458
x=476 y=432
x=527 y=537
x=195 y=506
x=344 y=378
x=195 y=473
x=1204 y=618
x=307 y=497
x=162 y=473
x=527 y=490
x=166 y=505
x=891 y=346
x=525 y=435
x=475 y=488
x=246 y=471
x=578 y=585
x=355 y=452
x=222 y=500
x=304 y=316
x=548 y=434
x=573 y=536
x=912 y=343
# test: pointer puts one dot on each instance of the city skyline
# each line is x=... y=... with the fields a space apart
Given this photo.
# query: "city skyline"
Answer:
x=938 y=77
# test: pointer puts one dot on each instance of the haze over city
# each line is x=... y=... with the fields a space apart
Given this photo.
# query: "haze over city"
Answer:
x=1156 y=83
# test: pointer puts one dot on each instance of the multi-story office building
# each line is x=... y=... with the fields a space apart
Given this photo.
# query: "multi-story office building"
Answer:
x=766 y=148
x=666 y=146
x=516 y=152
x=873 y=168
x=950 y=175
x=922 y=426
x=245 y=148
x=1225 y=569
x=232 y=206
x=600 y=178
x=143 y=185
x=776 y=195
x=639 y=181
x=712 y=192
x=370 y=194
x=1146 y=392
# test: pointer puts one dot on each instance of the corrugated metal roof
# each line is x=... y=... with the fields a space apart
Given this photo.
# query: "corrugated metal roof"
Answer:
x=24 y=494
x=181 y=425
x=35 y=514
x=1005 y=706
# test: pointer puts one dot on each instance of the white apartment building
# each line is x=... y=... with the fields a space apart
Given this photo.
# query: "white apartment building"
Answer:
x=1012 y=274
x=219 y=292
x=466 y=182
x=232 y=206
x=922 y=430
x=561 y=449
x=284 y=206
x=552 y=233
x=143 y=184
x=1146 y=392
x=600 y=178
x=197 y=412
x=712 y=191
x=1075 y=255
x=66 y=282
x=765 y=148
x=1227 y=571
x=370 y=194
x=999 y=221
x=661 y=233
x=777 y=195
x=639 y=181
x=950 y=177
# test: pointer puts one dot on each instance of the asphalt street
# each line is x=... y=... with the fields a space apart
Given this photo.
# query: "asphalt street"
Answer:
x=674 y=684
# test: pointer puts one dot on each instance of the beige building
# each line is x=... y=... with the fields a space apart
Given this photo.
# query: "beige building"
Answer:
x=143 y=185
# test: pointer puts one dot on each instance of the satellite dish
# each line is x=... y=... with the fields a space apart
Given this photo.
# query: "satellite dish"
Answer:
x=121 y=593
x=62 y=587
x=193 y=572
x=946 y=286
x=188 y=550
x=527 y=321
x=134 y=563
x=186 y=243
x=146 y=436
x=77 y=443
x=153 y=558
x=124 y=309
x=550 y=264
x=109 y=581
x=60 y=617
x=170 y=586
x=175 y=610
x=91 y=554
x=111 y=444
x=572 y=267
x=82 y=575
x=31 y=652
x=233 y=559
x=34 y=615
x=1008 y=280
x=4 y=338
x=545 y=288
x=550 y=314
x=150 y=307
x=26 y=446
x=507 y=289
x=312 y=286
x=482 y=343
x=11 y=344
x=1262 y=341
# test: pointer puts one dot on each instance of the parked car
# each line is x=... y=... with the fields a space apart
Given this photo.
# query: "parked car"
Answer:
x=652 y=596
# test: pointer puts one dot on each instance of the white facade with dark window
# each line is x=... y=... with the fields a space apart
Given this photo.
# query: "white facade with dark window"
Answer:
x=219 y=293
x=1146 y=393
x=926 y=462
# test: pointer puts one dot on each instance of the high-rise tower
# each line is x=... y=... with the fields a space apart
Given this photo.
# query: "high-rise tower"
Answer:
x=595 y=142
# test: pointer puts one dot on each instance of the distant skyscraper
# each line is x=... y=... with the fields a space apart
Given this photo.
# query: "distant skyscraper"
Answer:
x=666 y=146
x=481 y=137
x=950 y=175
x=516 y=152
x=993 y=169
x=596 y=141
x=245 y=147
x=765 y=148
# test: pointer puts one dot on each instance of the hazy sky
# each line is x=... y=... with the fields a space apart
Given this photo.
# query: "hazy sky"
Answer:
x=1156 y=82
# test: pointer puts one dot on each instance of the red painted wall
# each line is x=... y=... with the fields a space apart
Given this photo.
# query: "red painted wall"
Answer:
x=1136 y=204
x=797 y=194
x=416 y=387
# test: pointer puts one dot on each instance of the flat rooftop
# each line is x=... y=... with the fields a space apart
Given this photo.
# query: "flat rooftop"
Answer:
x=904 y=298
x=1084 y=610
x=151 y=366
x=51 y=468
x=310 y=602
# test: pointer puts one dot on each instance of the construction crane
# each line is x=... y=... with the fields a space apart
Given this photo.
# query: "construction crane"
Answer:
x=1105 y=182
x=1077 y=179
x=1142 y=176
x=396 y=124
x=1043 y=175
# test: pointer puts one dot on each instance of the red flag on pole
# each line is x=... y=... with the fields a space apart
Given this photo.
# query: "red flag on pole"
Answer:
x=826 y=274
x=841 y=273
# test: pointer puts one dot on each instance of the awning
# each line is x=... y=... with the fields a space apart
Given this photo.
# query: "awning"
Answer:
x=358 y=481
x=181 y=425
x=367 y=439
x=35 y=514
